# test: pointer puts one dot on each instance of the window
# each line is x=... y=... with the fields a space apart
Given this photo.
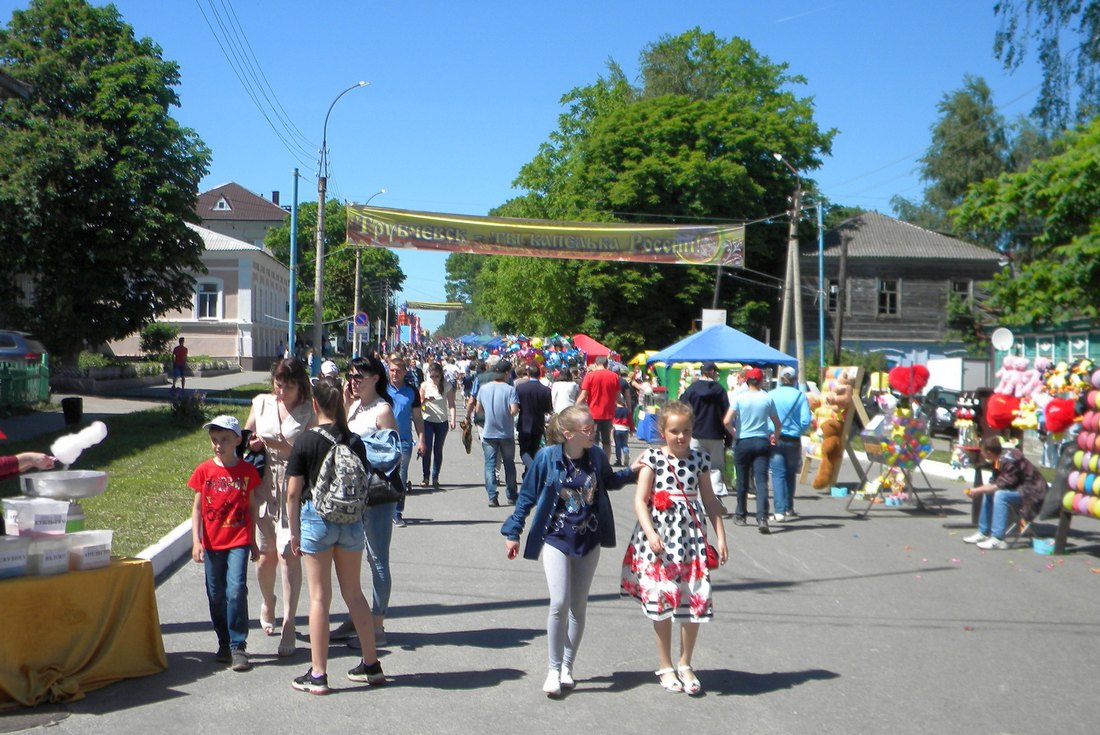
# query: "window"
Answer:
x=206 y=306
x=888 y=297
x=222 y=205
x=1078 y=345
x=961 y=289
x=832 y=293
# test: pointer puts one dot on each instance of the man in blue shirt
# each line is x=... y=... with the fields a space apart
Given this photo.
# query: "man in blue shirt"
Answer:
x=795 y=418
x=499 y=402
x=406 y=411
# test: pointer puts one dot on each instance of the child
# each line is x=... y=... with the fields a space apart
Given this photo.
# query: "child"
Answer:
x=620 y=426
x=223 y=536
x=566 y=486
x=665 y=565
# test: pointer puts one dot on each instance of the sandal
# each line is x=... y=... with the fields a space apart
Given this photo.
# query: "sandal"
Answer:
x=267 y=624
x=669 y=681
x=690 y=681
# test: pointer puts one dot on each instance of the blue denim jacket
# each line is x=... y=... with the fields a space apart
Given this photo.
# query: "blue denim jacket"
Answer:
x=540 y=491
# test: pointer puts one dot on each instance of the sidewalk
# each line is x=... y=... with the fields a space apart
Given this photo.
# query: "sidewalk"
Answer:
x=831 y=624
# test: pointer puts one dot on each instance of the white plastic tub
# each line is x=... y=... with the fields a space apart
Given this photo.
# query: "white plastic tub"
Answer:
x=13 y=556
x=35 y=517
x=89 y=550
x=48 y=556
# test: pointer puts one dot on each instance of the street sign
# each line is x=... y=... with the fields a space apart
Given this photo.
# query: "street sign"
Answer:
x=351 y=331
x=362 y=319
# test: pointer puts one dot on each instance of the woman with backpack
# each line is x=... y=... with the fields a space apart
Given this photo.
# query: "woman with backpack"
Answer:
x=324 y=544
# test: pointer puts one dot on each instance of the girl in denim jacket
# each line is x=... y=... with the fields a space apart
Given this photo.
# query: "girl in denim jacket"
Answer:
x=566 y=486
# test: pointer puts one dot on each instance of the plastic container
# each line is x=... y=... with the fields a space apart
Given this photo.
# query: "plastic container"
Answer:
x=35 y=517
x=1044 y=546
x=839 y=492
x=48 y=556
x=89 y=550
x=76 y=518
x=13 y=556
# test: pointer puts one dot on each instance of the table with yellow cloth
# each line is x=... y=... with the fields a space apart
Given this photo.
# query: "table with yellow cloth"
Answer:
x=63 y=636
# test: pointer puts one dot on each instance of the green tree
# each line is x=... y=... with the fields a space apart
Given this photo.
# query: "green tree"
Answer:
x=1071 y=76
x=691 y=144
x=377 y=266
x=1052 y=209
x=969 y=144
x=99 y=179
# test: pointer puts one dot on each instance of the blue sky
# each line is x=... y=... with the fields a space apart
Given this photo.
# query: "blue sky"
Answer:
x=462 y=94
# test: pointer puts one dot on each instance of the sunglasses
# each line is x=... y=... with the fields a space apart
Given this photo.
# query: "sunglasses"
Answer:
x=354 y=377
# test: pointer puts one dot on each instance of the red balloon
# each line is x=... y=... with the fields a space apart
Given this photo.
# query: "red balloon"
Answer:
x=1060 y=414
x=1000 y=410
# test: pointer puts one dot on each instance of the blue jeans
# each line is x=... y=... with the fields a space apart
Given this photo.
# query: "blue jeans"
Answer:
x=996 y=505
x=752 y=455
x=406 y=457
x=506 y=448
x=227 y=593
x=786 y=458
x=378 y=524
x=621 y=447
x=434 y=436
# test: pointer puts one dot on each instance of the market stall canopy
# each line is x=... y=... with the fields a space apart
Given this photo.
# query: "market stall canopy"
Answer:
x=591 y=347
x=721 y=343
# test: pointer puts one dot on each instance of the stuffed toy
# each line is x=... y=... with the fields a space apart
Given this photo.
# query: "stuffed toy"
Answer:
x=909 y=381
x=831 y=450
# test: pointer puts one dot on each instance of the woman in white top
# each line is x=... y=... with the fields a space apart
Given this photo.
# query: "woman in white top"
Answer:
x=437 y=401
x=276 y=421
x=563 y=393
x=369 y=407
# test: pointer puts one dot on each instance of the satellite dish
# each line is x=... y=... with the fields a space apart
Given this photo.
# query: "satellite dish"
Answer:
x=1002 y=339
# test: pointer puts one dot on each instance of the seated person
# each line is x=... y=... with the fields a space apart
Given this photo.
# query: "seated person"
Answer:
x=1016 y=483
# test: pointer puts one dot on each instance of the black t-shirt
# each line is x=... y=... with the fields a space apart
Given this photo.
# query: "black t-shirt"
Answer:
x=534 y=404
x=310 y=451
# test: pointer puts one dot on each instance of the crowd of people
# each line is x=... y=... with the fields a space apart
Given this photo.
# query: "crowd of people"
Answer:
x=564 y=423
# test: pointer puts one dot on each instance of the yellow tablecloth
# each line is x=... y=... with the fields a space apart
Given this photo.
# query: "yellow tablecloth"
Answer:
x=65 y=635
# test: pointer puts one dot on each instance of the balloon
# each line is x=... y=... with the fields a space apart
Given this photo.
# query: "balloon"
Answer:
x=1001 y=410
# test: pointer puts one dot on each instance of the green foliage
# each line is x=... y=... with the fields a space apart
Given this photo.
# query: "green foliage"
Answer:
x=86 y=360
x=157 y=337
x=189 y=409
x=871 y=362
x=965 y=322
x=99 y=179
x=377 y=266
x=693 y=143
x=1052 y=206
x=1069 y=74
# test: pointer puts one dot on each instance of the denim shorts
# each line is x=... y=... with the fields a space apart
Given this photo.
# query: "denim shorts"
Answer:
x=319 y=535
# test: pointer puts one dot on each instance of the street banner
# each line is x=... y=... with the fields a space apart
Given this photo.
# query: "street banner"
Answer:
x=716 y=245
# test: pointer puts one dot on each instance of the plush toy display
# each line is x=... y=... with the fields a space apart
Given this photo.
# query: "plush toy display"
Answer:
x=831 y=450
x=909 y=381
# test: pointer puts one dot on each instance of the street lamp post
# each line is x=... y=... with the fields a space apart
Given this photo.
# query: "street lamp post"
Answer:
x=355 y=307
x=319 y=270
x=794 y=275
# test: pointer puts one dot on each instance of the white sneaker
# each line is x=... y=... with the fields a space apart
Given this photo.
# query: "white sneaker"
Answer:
x=975 y=538
x=567 y=681
x=779 y=517
x=993 y=543
x=552 y=687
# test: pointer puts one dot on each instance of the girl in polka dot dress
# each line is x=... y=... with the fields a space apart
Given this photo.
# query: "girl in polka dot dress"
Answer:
x=665 y=567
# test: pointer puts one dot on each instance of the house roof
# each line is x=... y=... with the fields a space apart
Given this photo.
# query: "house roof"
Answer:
x=874 y=235
x=12 y=87
x=234 y=202
x=215 y=242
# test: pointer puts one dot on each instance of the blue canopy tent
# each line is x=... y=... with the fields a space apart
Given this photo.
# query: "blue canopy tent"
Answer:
x=721 y=344
x=718 y=343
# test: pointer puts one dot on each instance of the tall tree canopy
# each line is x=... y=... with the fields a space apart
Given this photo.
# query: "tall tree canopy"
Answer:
x=98 y=179
x=379 y=268
x=693 y=142
x=1067 y=33
x=1052 y=207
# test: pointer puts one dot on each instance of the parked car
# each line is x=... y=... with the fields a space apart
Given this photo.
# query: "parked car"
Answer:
x=20 y=347
x=939 y=405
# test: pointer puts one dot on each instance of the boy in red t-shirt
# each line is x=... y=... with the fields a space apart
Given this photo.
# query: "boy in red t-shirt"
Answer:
x=223 y=536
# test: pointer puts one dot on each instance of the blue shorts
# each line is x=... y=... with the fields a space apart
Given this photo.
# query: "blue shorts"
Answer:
x=318 y=535
x=177 y=370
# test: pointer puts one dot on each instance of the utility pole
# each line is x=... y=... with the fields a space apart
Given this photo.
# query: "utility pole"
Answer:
x=793 y=283
x=841 y=298
x=293 y=295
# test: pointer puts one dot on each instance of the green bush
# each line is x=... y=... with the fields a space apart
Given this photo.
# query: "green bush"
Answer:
x=86 y=360
x=190 y=410
x=156 y=338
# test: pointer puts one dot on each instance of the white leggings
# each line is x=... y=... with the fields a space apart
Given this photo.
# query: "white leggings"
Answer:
x=569 y=578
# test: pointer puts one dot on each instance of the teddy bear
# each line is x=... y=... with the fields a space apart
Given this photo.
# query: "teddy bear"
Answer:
x=831 y=450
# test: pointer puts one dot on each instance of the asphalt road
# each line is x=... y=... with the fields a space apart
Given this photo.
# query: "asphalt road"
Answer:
x=831 y=624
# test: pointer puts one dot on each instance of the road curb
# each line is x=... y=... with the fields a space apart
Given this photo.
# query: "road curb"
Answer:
x=166 y=552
